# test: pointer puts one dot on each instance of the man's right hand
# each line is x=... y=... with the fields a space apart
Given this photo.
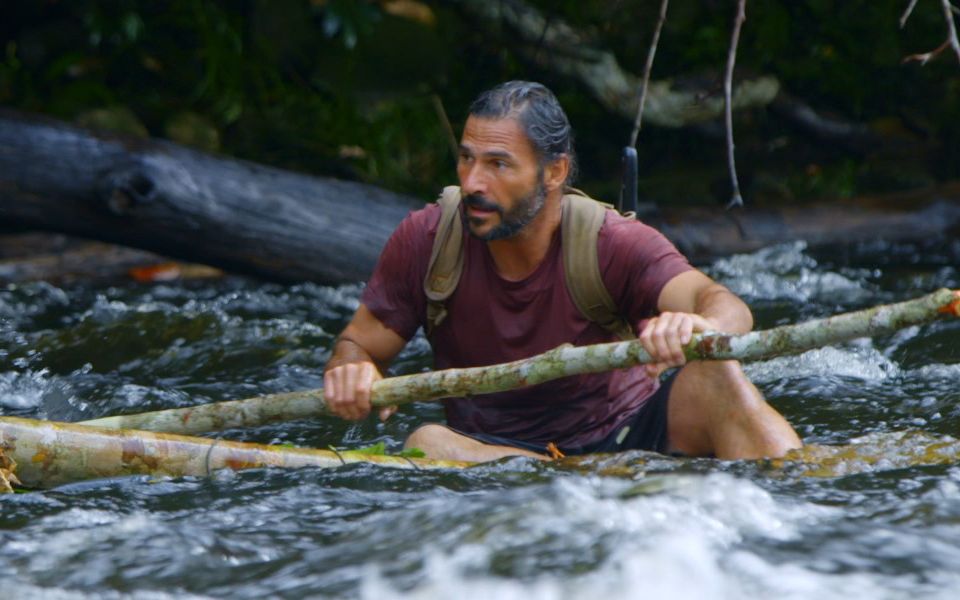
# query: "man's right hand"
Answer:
x=352 y=368
x=346 y=389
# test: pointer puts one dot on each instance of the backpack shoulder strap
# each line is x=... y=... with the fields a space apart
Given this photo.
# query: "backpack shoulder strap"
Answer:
x=446 y=258
x=580 y=227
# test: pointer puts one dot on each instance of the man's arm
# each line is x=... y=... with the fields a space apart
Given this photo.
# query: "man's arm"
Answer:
x=688 y=303
x=364 y=349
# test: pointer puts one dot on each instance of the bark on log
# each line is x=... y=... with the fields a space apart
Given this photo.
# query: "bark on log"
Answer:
x=186 y=204
x=48 y=454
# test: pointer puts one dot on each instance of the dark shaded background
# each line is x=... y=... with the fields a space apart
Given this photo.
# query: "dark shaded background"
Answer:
x=349 y=88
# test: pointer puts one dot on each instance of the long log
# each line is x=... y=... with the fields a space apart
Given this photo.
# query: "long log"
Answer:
x=283 y=226
x=560 y=362
x=49 y=454
x=165 y=198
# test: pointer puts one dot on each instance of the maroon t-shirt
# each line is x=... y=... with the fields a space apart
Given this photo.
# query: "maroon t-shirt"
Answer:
x=492 y=320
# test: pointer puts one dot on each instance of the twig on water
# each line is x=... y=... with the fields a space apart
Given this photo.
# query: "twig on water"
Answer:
x=736 y=199
x=646 y=71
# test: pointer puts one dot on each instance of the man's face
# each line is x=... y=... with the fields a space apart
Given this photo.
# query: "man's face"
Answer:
x=500 y=176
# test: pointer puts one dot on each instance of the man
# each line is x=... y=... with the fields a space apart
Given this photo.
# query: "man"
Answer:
x=512 y=301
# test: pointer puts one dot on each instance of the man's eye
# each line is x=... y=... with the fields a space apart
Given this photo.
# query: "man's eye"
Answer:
x=500 y=164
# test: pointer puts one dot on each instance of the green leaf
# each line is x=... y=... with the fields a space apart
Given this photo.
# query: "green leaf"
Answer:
x=412 y=453
x=378 y=449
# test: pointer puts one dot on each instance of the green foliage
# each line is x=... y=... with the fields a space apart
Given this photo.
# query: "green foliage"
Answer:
x=347 y=88
x=380 y=449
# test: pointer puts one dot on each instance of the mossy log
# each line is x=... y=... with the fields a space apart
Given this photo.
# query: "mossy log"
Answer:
x=560 y=362
x=46 y=454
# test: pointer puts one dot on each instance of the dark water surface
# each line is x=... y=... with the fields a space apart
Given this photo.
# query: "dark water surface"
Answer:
x=652 y=527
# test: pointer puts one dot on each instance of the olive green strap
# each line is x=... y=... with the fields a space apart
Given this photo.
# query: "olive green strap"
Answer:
x=446 y=258
x=581 y=222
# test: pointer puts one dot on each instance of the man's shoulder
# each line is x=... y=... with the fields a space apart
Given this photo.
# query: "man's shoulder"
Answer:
x=623 y=237
x=621 y=228
x=423 y=220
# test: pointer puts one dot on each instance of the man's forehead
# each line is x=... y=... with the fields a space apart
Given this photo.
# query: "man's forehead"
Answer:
x=485 y=135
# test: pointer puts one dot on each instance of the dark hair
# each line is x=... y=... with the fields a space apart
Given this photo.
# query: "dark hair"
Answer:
x=539 y=114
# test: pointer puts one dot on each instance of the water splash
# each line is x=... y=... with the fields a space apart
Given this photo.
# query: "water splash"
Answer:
x=858 y=360
x=786 y=272
x=33 y=392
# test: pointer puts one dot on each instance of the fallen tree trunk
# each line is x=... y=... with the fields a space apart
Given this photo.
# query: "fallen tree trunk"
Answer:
x=704 y=234
x=189 y=205
x=47 y=454
x=283 y=226
x=560 y=362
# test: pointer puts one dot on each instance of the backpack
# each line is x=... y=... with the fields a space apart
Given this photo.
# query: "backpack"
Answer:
x=581 y=220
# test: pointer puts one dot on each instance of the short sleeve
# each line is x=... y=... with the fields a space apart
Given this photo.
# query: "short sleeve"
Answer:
x=394 y=293
x=636 y=262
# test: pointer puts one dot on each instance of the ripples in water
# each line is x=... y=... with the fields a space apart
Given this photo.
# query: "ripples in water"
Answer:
x=881 y=522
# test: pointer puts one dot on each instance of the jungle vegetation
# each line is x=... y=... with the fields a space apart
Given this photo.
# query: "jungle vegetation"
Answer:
x=376 y=90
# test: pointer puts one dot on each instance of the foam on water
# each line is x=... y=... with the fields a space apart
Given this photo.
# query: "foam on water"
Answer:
x=947 y=373
x=785 y=272
x=75 y=532
x=857 y=360
x=32 y=390
x=27 y=591
x=31 y=299
x=673 y=542
x=685 y=541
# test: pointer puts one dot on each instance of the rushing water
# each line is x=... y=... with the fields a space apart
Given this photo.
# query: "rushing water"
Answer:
x=648 y=527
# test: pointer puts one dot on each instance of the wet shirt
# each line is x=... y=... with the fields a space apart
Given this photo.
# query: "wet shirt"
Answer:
x=492 y=320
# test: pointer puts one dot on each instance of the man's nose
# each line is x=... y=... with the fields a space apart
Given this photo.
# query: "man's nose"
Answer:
x=472 y=180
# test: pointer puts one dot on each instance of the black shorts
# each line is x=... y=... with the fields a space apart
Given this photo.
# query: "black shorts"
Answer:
x=645 y=430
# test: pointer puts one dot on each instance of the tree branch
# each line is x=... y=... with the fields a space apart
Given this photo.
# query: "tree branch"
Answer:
x=736 y=199
x=569 y=54
x=951 y=42
x=907 y=13
x=647 y=68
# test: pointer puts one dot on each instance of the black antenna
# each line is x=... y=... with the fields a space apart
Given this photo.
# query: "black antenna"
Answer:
x=628 y=188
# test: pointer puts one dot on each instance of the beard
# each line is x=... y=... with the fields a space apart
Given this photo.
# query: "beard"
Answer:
x=524 y=211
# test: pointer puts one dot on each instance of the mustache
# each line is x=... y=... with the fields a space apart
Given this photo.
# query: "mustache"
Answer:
x=480 y=202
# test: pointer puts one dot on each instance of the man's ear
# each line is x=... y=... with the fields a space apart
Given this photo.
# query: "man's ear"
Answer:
x=555 y=173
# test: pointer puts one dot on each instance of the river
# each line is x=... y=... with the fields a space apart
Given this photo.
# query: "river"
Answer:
x=633 y=526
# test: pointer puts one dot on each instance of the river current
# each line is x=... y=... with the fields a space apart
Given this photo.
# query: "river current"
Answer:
x=633 y=526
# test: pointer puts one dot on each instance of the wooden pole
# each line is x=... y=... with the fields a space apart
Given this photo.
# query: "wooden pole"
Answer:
x=559 y=362
x=45 y=454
